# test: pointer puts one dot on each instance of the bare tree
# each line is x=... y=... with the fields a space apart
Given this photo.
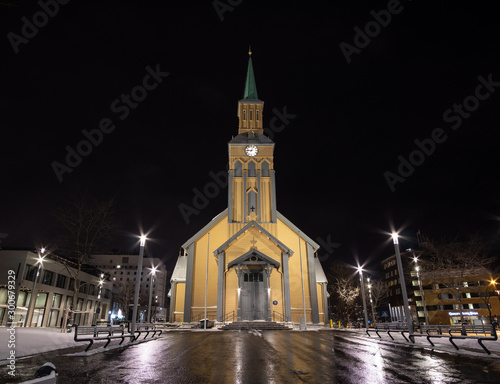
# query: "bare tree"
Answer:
x=347 y=293
x=85 y=228
x=377 y=290
x=124 y=296
x=344 y=290
x=487 y=291
x=450 y=263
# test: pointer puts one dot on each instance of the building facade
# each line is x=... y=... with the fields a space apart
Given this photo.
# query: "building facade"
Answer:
x=250 y=262
x=122 y=271
x=54 y=291
x=436 y=300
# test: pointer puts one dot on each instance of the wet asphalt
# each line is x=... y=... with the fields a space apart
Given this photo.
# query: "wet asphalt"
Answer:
x=261 y=357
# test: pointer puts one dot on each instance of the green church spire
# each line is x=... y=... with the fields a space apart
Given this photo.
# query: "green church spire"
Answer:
x=250 y=86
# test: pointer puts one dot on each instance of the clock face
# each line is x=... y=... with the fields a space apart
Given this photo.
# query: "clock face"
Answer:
x=251 y=150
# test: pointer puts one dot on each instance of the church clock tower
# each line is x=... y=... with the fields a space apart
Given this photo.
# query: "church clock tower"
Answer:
x=251 y=193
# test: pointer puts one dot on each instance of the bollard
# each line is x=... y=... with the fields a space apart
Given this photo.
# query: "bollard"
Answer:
x=463 y=333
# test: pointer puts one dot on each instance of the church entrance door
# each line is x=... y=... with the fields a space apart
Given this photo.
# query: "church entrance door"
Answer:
x=253 y=296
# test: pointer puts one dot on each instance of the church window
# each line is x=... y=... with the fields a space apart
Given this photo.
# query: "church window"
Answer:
x=244 y=114
x=251 y=169
x=252 y=202
x=257 y=114
x=237 y=169
x=265 y=169
x=250 y=114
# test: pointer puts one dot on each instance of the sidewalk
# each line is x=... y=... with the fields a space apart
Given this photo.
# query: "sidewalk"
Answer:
x=468 y=347
x=30 y=341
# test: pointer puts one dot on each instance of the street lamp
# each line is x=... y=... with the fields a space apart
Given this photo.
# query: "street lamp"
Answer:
x=98 y=309
x=370 y=297
x=360 y=271
x=494 y=283
x=32 y=303
x=153 y=272
x=138 y=283
x=403 y=283
x=417 y=269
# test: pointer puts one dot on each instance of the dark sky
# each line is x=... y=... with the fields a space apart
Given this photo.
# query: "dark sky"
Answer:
x=352 y=120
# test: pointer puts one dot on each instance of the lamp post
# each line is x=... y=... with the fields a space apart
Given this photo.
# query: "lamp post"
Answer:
x=137 y=283
x=403 y=284
x=31 y=305
x=370 y=297
x=417 y=269
x=494 y=283
x=153 y=272
x=98 y=309
x=362 y=283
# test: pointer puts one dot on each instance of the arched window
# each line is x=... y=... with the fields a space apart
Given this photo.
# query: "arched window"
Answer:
x=251 y=169
x=252 y=202
x=237 y=169
x=257 y=114
x=265 y=169
x=251 y=114
x=244 y=114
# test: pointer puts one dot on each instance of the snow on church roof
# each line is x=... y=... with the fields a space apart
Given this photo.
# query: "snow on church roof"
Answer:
x=320 y=274
x=179 y=274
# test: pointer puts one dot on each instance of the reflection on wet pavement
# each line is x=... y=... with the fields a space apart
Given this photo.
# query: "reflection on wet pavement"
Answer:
x=273 y=357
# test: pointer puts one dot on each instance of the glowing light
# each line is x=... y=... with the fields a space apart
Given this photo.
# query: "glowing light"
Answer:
x=395 y=238
x=143 y=240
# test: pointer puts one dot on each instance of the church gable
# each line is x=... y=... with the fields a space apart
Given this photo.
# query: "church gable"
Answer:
x=252 y=240
x=254 y=257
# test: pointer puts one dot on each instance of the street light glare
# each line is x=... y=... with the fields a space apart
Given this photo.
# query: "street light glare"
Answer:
x=143 y=240
x=42 y=251
x=395 y=238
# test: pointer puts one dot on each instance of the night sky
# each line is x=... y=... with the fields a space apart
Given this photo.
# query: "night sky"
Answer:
x=359 y=97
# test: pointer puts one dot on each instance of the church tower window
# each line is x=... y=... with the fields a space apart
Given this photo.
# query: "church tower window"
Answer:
x=265 y=169
x=251 y=169
x=237 y=169
x=257 y=114
x=251 y=115
x=244 y=114
x=252 y=202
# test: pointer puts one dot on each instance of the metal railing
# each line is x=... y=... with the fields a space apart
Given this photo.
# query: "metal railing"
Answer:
x=210 y=314
x=228 y=317
x=480 y=333
x=278 y=317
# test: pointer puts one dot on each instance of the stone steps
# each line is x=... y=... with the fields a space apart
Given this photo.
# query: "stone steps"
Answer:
x=258 y=325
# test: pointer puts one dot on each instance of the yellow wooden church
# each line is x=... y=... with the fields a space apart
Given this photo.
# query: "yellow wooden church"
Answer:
x=249 y=263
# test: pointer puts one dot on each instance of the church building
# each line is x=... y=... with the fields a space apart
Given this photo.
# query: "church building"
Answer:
x=250 y=262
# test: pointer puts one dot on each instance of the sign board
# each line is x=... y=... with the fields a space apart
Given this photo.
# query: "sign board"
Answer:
x=385 y=314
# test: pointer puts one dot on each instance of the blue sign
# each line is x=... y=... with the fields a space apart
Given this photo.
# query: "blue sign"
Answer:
x=385 y=314
x=275 y=302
